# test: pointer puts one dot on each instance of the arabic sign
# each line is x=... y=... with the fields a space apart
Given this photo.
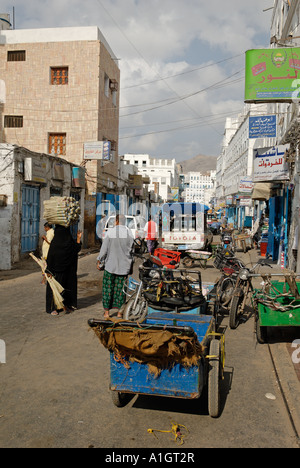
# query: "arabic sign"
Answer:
x=246 y=184
x=269 y=164
x=97 y=150
x=272 y=75
x=263 y=126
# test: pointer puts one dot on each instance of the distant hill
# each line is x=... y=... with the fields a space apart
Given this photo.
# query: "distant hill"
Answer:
x=199 y=163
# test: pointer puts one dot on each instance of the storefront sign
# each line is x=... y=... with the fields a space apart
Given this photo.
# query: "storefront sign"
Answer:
x=98 y=150
x=272 y=75
x=246 y=184
x=270 y=165
x=35 y=170
x=263 y=126
x=78 y=177
x=58 y=171
x=246 y=201
x=135 y=181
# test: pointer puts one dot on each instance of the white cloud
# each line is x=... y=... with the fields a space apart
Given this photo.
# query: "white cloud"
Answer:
x=155 y=39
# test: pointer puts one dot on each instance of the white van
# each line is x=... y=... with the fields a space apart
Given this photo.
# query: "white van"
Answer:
x=135 y=223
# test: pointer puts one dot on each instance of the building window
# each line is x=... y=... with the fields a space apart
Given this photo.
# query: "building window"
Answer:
x=106 y=85
x=57 y=144
x=13 y=121
x=59 y=75
x=16 y=55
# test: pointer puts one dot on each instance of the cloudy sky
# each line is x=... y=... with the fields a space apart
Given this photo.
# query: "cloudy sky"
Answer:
x=181 y=62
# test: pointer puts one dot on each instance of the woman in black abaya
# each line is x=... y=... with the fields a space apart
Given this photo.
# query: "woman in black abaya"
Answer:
x=62 y=262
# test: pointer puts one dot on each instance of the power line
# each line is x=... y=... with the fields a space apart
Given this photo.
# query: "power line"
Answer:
x=182 y=73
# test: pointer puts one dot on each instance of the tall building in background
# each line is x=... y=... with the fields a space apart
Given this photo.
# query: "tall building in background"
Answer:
x=62 y=99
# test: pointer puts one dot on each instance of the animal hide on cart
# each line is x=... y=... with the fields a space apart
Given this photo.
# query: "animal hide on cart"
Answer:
x=159 y=349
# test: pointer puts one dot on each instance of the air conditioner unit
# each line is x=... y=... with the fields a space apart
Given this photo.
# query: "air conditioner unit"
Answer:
x=113 y=85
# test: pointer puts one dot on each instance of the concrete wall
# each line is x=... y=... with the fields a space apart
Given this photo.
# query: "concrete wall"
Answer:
x=11 y=180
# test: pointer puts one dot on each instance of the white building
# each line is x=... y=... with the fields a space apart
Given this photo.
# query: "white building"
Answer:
x=200 y=188
x=236 y=159
x=163 y=173
x=285 y=32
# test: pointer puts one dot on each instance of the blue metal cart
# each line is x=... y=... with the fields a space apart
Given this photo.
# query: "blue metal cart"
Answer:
x=176 y=381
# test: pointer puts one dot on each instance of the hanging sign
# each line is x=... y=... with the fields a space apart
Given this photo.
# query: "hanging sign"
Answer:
x=272 y=75
x=97 y=150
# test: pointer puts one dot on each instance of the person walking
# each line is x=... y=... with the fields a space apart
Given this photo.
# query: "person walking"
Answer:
x=47 y=239
x=116 y=255
x=151 y=233
x=62 y=261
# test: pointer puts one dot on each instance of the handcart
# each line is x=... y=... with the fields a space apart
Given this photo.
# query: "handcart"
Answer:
x=242 y=242
x=278 y=305
x=168 y=258
x=169 y=355
x=194 y=257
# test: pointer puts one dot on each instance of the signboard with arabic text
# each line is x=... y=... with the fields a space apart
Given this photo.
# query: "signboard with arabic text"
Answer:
x=270 y=165
x=246 y=184
x=272 y=75
x=263 y=126
x=97 y=150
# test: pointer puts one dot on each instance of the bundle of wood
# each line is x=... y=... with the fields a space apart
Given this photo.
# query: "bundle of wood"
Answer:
x=61 y=210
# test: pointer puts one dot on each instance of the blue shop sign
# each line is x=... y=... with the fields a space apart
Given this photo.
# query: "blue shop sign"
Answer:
x=263 y=126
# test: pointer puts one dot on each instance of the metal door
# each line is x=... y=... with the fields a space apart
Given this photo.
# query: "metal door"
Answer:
x=276 y=210
x=30 y=219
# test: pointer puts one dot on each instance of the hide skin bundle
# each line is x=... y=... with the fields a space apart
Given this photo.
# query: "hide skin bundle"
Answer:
x=61 y=210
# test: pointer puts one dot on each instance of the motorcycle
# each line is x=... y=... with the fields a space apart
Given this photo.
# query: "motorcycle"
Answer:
x=227 y=240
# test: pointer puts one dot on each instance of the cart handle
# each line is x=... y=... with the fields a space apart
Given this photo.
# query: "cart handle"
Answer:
x=93 y=323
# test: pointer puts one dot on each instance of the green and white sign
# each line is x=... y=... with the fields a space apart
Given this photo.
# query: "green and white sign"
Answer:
x=272 y=75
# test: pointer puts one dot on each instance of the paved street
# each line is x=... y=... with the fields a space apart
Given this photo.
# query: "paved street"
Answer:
x=54 y=386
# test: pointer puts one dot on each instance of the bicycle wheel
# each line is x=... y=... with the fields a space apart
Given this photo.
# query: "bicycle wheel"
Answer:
x=234 y=311
x=137 y=314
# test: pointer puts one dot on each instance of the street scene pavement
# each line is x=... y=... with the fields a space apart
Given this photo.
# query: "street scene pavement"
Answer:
x=55 y=380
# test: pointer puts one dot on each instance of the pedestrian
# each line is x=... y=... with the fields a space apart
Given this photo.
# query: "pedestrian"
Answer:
x=101 y=225
x=47 y=239
x=116 y=255
x=62 y=262
x=151 y=233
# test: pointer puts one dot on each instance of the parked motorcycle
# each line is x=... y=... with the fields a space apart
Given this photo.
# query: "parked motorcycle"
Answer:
x=227 y=240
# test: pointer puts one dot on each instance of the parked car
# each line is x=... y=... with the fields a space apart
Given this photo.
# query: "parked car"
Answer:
x=134 y=223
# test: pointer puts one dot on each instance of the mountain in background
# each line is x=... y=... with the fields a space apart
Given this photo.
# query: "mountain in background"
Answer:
x=199 y=163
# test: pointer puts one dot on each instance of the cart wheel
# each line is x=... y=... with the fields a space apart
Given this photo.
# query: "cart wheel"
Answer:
x=214 y=379
x=138 y=314
x=119 y=399
x=188 y=262
x=234 y=311
x=261 y=333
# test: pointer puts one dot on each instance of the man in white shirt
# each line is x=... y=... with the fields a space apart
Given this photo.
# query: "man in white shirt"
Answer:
x=117 y=258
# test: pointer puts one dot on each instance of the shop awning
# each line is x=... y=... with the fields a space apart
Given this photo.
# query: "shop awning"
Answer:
x=262 y=191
